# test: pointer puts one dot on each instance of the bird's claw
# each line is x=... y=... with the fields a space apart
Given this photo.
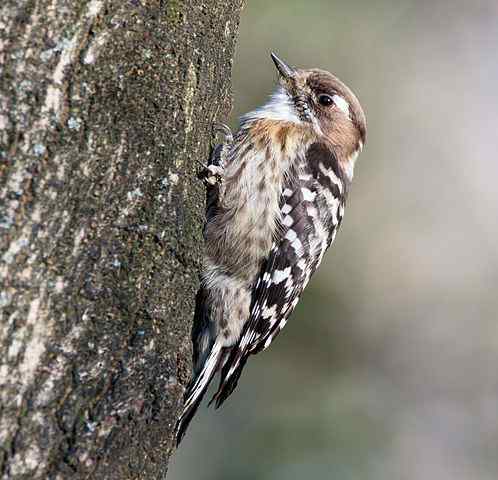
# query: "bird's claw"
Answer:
x=211 y=175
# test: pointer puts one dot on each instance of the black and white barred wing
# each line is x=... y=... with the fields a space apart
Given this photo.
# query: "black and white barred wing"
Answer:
x=288 y=270
x=310 y=218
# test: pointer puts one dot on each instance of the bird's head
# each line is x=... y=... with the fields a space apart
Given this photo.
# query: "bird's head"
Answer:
x=319 y=99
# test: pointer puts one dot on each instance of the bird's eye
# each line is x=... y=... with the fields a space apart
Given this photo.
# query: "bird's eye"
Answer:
x=325 y=100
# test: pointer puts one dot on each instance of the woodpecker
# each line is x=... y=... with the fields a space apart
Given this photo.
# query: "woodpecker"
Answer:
x=276 y=193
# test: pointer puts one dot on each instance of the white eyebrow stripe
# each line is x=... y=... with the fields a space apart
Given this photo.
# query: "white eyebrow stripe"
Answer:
x=341 y=104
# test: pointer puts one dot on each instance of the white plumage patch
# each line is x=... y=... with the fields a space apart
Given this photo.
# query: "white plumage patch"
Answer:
x=334 y=233
x=280 y=275
x=333 y=177
x=308 y=195
x=291 y=235
x=332 y=204
x=312 y=211
x=341 y=104
x=267 y=342
x=280 y=107
x=288 y=221
x=286 y=209
x=204 y=376
x=349 y=165
x=298 y=247
x=266 y=277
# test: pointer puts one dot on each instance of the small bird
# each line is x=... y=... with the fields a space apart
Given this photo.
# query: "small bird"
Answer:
x=275 y=198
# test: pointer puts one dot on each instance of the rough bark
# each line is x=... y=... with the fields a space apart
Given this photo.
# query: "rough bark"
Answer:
x=105 y=108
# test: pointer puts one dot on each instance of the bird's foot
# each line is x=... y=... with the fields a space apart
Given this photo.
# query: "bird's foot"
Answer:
x=211 y=175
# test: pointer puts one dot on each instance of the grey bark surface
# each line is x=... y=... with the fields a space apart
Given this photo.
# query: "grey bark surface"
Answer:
x=105 y=108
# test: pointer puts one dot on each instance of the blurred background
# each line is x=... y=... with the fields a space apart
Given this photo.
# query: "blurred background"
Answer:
x=388 y=368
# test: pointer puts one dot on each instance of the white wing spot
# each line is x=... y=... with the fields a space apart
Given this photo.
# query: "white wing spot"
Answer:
x=333 y=177
x=286 y=209
x=291 y=235
x=287 y=192
x=280 y=275
x=302 y=264
x=312 y=211
x=298 y=247
x=308 y=195
x=288 y=221
x=282 y=323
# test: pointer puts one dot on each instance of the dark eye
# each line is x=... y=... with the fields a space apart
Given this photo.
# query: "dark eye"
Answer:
x=325 y=100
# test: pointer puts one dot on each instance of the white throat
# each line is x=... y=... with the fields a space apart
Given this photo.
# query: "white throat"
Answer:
x=279 y=107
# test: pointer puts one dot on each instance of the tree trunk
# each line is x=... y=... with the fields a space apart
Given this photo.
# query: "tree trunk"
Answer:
x=106 y=107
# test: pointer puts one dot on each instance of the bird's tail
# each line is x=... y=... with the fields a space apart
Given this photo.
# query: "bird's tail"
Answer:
x=196 y=390
x=231 y=369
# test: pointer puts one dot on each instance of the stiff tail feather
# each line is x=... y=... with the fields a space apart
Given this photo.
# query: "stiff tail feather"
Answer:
x=196 y=390
x=229 y=378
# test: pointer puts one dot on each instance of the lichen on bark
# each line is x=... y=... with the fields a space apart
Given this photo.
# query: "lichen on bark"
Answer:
x=105 y=108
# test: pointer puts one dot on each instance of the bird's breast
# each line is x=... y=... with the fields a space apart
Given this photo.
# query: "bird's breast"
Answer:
x=250 y=214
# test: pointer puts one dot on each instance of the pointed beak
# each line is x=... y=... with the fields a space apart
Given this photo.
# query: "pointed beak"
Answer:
x=284 y=70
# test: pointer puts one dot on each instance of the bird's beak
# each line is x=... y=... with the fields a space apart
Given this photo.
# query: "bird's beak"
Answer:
x=284 y=70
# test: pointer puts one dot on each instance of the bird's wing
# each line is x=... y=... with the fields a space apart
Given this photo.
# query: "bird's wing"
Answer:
x=309 y=225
